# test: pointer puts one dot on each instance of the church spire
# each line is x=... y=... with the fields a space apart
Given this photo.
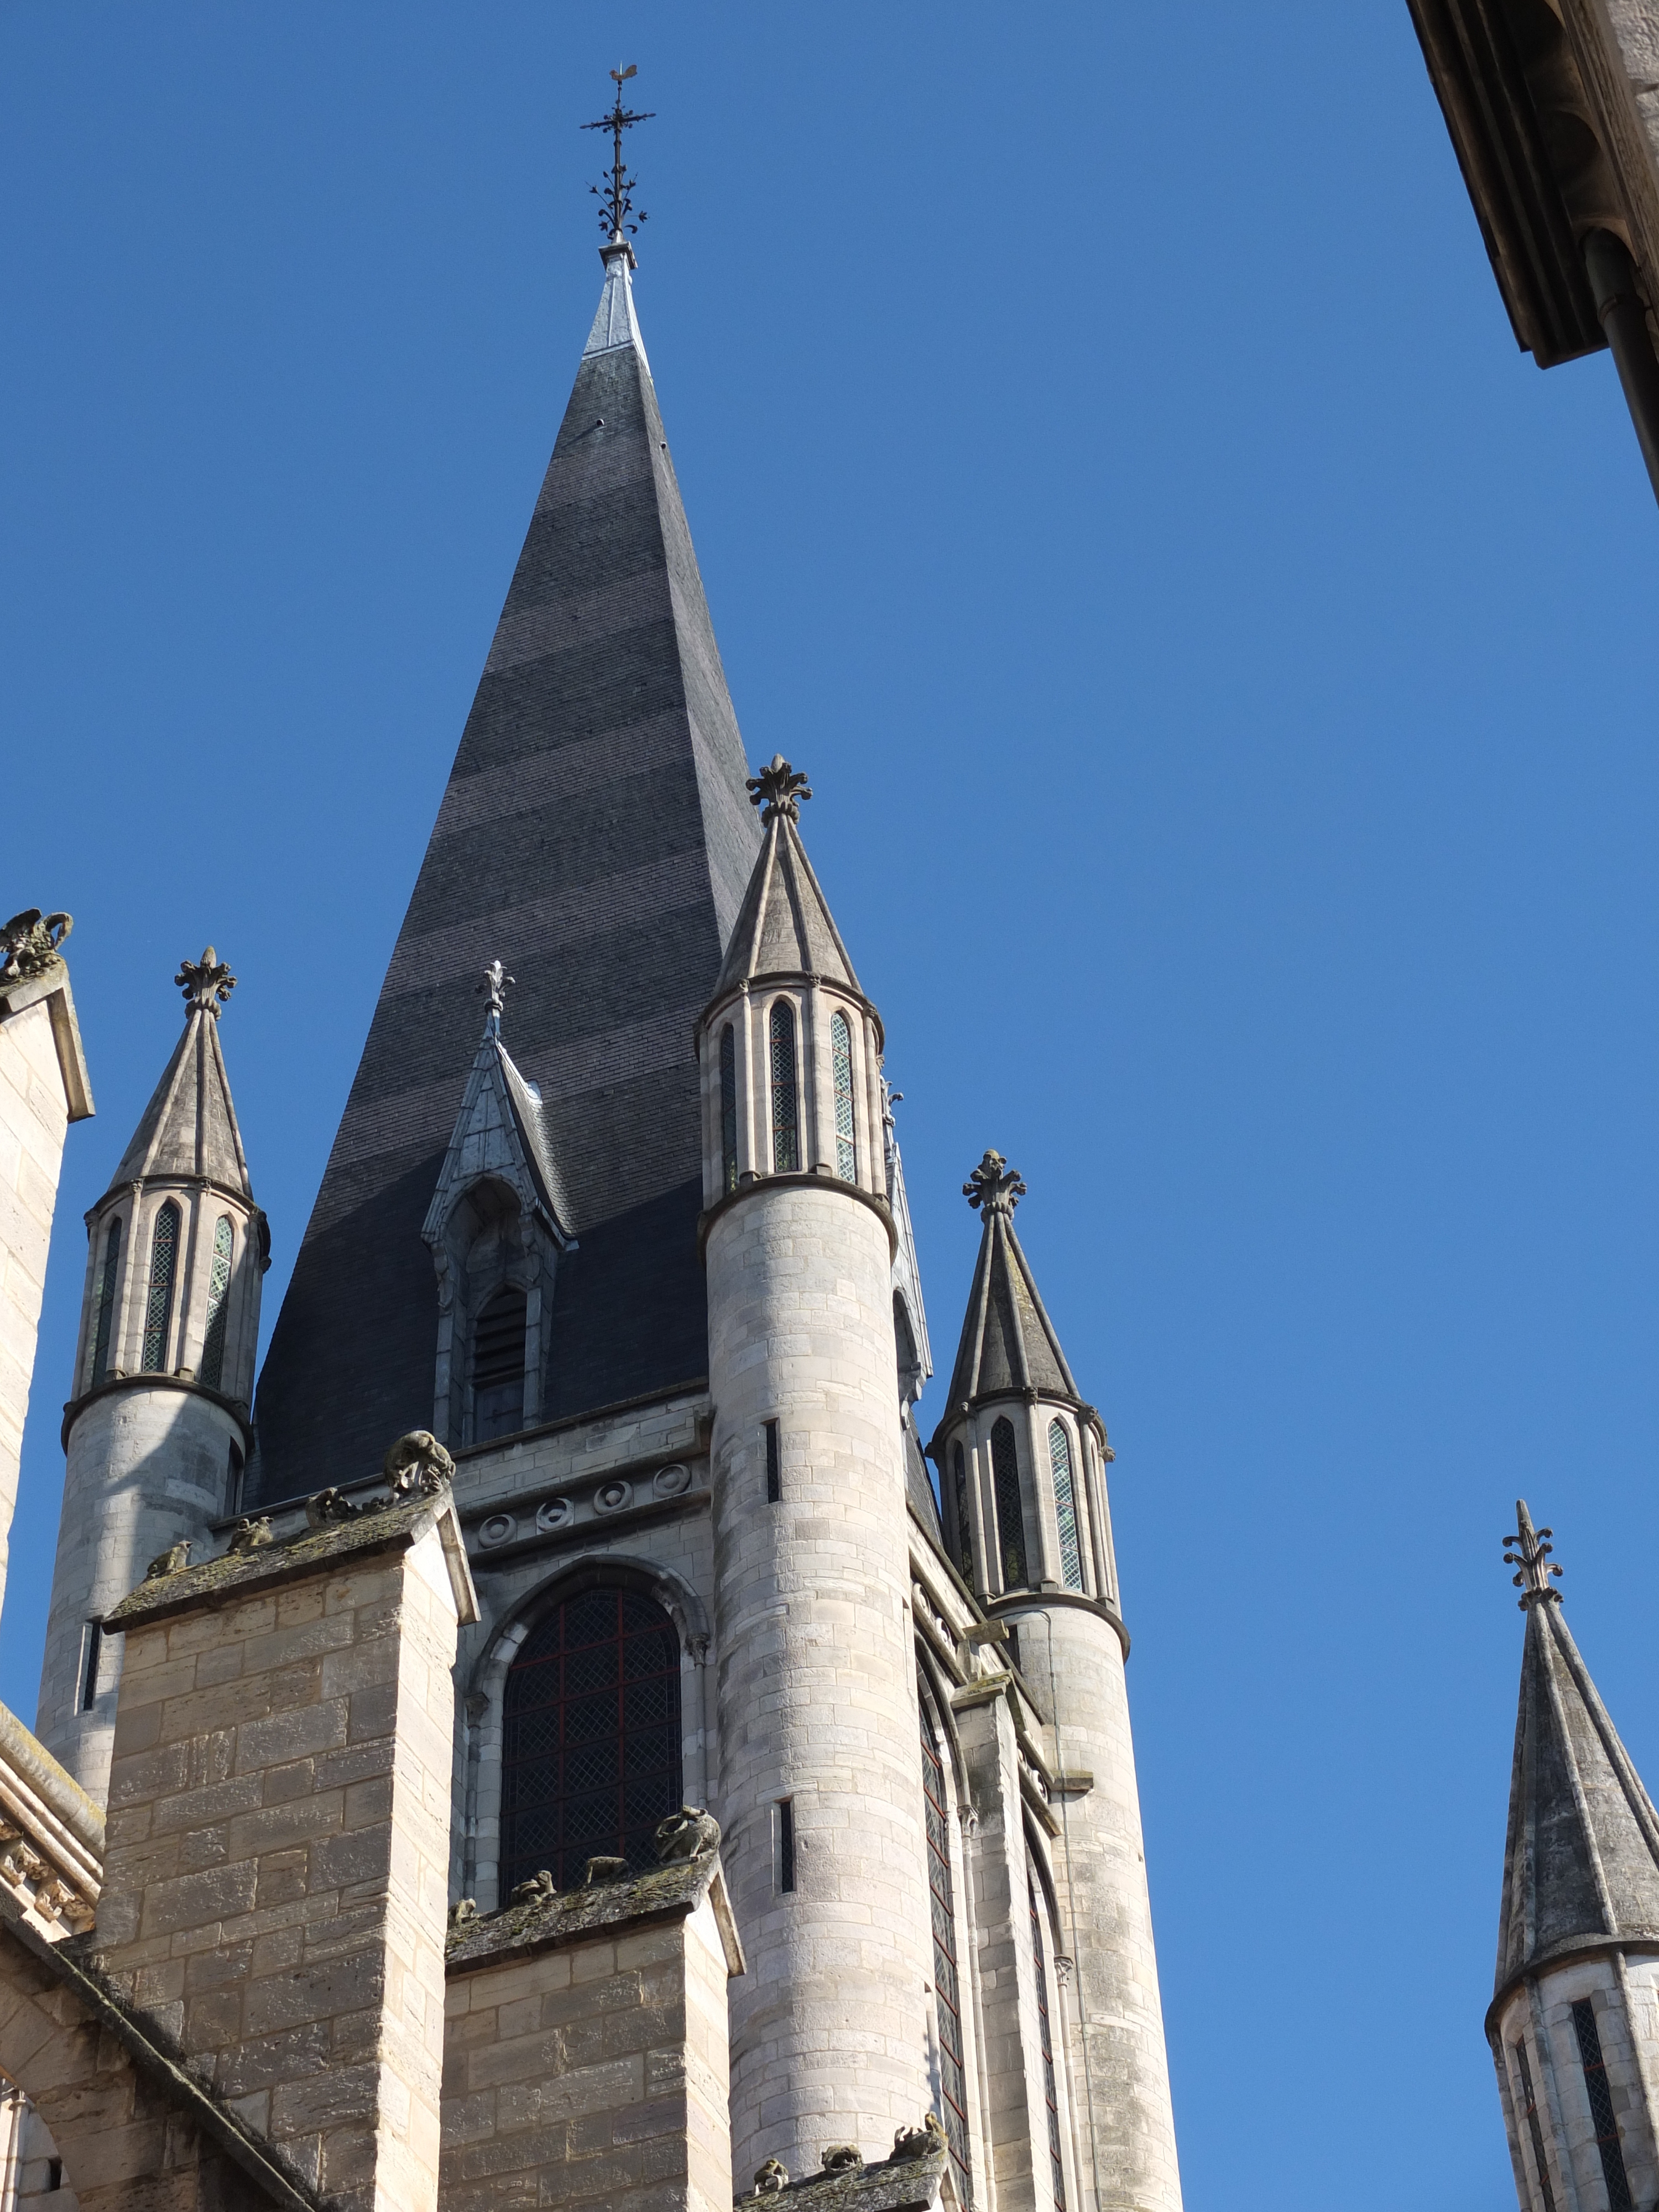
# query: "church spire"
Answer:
x=1008 y=1342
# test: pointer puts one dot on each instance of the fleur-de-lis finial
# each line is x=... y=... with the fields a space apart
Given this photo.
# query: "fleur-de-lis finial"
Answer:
x=206 y=983
x=1531 y=1554
x=994 y=1186
x=495 y=987
x=778 y=790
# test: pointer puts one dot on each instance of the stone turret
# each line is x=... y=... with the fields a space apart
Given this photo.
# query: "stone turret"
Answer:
x=1022 y=1460
x=1574 y=2020
x=156 y=1431
x=821 y=1793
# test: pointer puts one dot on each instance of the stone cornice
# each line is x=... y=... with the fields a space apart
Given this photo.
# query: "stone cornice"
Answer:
x=236 y=1408
x=1565 y=1954
x=879 y=1206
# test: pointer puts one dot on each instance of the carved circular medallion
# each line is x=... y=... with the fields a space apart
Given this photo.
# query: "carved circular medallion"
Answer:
x=670 y=1481
x=611 y=1496
x=498 y=1529
x=553 y=1513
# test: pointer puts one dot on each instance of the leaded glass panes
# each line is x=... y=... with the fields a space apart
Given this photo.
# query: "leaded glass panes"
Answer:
x=840 y=1055
x=218 y=1310
x=104 y=1305
x=1046 y=2041
x=1060 y=1461
x=498 y=1365
x=1011 y=1513
x=1530 y=2107
x=728 y=1108
x=786 y=1097
x=964 y=1523
x=158 y=1305
x=591 y=1747
x=953 y=2079
x=1600 y=2105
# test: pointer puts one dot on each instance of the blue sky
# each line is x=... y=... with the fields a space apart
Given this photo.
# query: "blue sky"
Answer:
x=1224 y=665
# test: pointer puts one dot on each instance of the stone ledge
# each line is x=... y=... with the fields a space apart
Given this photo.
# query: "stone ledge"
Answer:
x=898 y=2185
x=575 y=1916
x=52 y=985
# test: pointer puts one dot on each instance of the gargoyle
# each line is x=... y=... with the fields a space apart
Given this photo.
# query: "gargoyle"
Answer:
x=173 y=1561
x=771 y=2176
x=417 y=1465
x=916 y=2142
x=462 y=1910
x=538 y=1890
x=251 y=1535
x=690 y=1833
x=29 y=943
x=328 y=1506
x=842 y=2158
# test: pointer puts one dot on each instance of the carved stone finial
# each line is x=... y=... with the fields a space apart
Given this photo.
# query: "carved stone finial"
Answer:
x=995 y=1186
x=690 y=1833
x=1531 y=1554
x=29 y=943
x=778 y=790
x=495 y=987
x=417 y=1465
x=842 y=2158
x=916 y=2142
x=206 y=983
x=771 y=2178
x=173 y=1561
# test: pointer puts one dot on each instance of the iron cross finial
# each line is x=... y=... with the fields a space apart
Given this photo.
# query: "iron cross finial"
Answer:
x=778 y=790
x=495 y=987
x=994 y=1186
x=206 y=983
x=617 y=211
x=1531 y=1554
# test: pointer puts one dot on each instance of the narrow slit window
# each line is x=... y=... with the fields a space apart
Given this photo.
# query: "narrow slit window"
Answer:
x=786 y=1845
x=498 y=1365
x=947 y=1989
x=1060 y=1460
x=218 y=1309
x=1046 y=2044
x=840 y=1055
x=1530 y=2107
x=728 y=1108
x=234 y=1474
x=964 y=1524
x=774 y=1465
x=1600 y=2105
x=1011 y=1513
x=92 y=1659
x=786 y=1094
x=103 y=1306
x=158 y=1306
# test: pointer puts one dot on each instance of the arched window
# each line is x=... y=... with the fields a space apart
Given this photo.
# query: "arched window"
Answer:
x=728 y=1108
x=840 y=1056
x=498 y=1349
x=158 y=1306
x=1011 y=1516
x=947 y=1990
x=964 y=1523
x=218 y=1311
x=103 y=1306
x=786 y=1097
x=1060 y=1461
x=1046 y=2044
x=591 y=1750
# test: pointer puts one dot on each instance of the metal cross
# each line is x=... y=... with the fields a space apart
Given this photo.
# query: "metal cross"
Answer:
x=1531 y=1554
x=615 y=196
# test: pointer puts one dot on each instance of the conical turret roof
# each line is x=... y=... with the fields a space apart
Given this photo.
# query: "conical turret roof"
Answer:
x=784 y=927
x=188 y=1127
x=1008 y=1342
x=595 y=835
x=1580 y=1863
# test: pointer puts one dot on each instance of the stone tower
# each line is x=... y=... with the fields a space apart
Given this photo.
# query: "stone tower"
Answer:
x=1022 y=1461
x=821 y=1795
x=156 y=1431
x=1574 y=2020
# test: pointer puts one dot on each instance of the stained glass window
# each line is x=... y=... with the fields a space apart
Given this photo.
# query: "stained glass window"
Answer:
x=728 y=1108
x=785 y=1101
x=840 y=1055
x=498 y=1349
x=591 y=1753
x=1060 y=1460
x=1530 y=2107
x=953 y=2079
x=218 y=1309
x=1011 y=1515
x=158 y=1306
x=964 y=1523
x=1046 y=2044
x=104 y=1305
x=1600 y=2105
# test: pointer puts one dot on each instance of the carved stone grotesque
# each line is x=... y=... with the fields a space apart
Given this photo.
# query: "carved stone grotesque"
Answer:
x=602 y=1870
x=916 y=2142
x=462 y=1910
x=328 y=1506
x=771 y=2178
x=417 y=1465
x=538 y=1890
x=842 y=2158
x=173 y=1561
x=250 y=1536
x=206 y=983
x=29 y=943
x=690 y=1833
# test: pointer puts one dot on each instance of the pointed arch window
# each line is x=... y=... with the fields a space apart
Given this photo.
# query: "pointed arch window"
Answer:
x=591 y=1747
x=1529 y=2110
x=498 y=1365
x=728 y=1108
x=947 y=1987
x=1059 y=1462
x=1602 y=2116
x=158 y=1305
x=1011 y=1513
x=785 y=1091
x=104 y=1305
x=1046 y=2044
x=840 y=1056
x=964 y=1527
x=218 y=1309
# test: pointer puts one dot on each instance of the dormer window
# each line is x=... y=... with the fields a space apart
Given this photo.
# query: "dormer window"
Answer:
x=498 y=1365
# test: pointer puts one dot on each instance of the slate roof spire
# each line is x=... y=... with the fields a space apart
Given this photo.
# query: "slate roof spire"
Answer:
x=595 y=835
x=188 y=1127
x=1581 y=1862
x=1008 y=1345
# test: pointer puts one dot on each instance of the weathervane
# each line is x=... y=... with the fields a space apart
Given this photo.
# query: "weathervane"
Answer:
x=1531 y=1554
x=617 y=212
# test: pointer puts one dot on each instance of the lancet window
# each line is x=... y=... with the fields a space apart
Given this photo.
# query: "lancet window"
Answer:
x=591 y=1746
x=947 y=1987
x=1602 y=2117
x=840 y=1056
x=1529 y=2103
x=728 y=1108
x=498 y=1365
x=1046 y=2045
x=218 y=1306
x=964 y=1524
x=1011 y=1512
x=1060 y=1463
x=104 y=1305
x=158 y=1305
x=785 y=1091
